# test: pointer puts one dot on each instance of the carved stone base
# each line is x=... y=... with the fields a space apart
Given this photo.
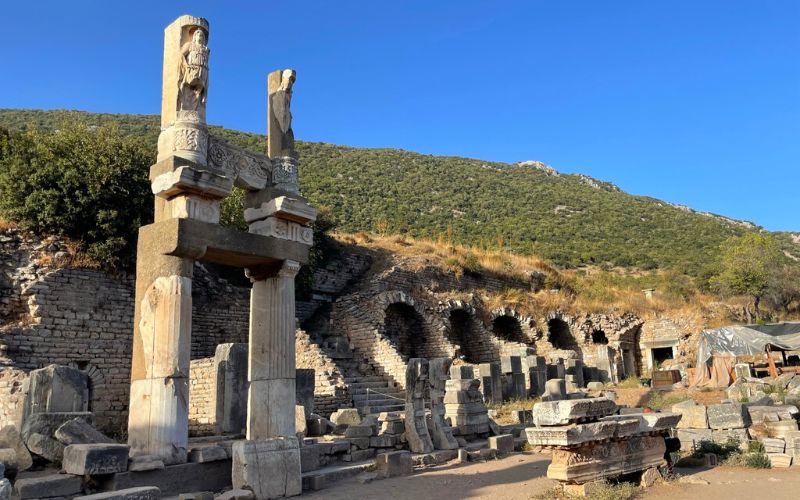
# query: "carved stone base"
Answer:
x=600 y=460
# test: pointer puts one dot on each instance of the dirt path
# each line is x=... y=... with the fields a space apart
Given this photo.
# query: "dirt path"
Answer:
x=522 y=475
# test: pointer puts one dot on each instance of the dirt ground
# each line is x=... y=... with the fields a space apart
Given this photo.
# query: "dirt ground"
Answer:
x=522 y=475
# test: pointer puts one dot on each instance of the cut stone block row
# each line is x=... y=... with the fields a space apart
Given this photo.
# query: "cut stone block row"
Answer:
x=564 y=412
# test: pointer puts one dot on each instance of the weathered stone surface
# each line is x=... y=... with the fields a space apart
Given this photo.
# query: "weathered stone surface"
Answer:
x=773 y=445
x=11 y=438
x=575 y=434
x=91 y=459
x=198 y=495
x=145 y=463
x=393 y=464
x=781 y=429
x=139 y=493
x=203 y=454
x=176 y=479
x=236 y=495
x=8 y=463
x=77 y=431
x=271 y=469
x=440 y=431
x=779 y=460
x=503 y=443
x=346 y=416
x=760 y=414
x=595 y=386
x=57 y=388
x=648 y=422
x=728 y=416
x=650 y=477
x=595 y=460
x=52 y=485
x=6 y=489
x=555 y=389
x=723 y=436
x=47 y=423
x=567 y=411
x=692 y=437
x=491 y=382
x=356 y=431
x=417 y=434
x=231 y=401
x=694 y=416
x=300 y=422
x=46 y=447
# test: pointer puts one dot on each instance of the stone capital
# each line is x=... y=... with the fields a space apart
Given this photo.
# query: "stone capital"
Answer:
x=289 y=269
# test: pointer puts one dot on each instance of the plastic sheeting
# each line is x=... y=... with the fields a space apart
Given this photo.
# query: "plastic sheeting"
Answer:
x=731 y=341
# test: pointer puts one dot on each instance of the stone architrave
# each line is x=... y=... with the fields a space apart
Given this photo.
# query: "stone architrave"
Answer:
x=231 y=401
x=440 y=432
x=417 y=435
x=271 y=364
x=599 y=460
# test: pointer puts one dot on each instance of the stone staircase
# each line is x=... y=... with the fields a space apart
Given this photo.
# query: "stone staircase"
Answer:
x=374 y=394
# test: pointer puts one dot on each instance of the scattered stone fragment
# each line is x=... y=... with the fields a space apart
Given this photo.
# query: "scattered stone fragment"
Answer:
x=77 y=431
x=503 y=443
x=236 y=495
x=52 y=485
x=10 y=438
x=649 y=477
x=779 y=460
x=91 y=459
x=140 y=493
x=46 y=447
x=346 y=416
x=392 y=464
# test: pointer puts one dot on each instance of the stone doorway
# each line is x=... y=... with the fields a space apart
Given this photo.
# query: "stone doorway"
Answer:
x=405 y=328
x=660 y=355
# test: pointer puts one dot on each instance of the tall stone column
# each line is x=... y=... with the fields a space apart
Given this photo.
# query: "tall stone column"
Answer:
x=271 y=366
x=158 y=421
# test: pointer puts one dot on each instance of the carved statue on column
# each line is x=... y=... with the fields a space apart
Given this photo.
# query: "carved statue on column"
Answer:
x=194 y=74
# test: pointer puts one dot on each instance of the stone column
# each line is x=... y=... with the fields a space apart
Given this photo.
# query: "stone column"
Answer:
x=271 y=366
x=158 y=421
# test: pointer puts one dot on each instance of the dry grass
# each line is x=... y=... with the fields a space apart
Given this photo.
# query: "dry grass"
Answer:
x=504 y=409
x=6 y=225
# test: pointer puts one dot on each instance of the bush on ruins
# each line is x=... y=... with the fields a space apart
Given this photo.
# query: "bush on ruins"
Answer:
x=86 y=183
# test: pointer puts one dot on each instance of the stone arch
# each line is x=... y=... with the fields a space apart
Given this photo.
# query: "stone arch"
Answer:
x=559 y=334
x=507 y=324
x=463 y=334
x=405 y=329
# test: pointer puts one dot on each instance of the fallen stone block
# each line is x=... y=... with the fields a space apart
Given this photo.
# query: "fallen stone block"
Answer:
x=503 y=443
x=145 y=463
x=760 y=414
x=772 y=445
x=91 y=459
x=46 y=424
x=357 y=431
x=524 y=417
x=728 y=416
x=46 y=447
x=202 y=454
x=383 y=441
x=393 y=464
x=270 y=468
x=781 y=429
x=779 y=460
x=11 y=438
x=793 y=444
x=650 y=477
x=77 y=431
x=693 y=416
x=236 y=495
x=563 y=412
x=574 y=434
x=176 y=479
x=140 y=493
x=52 y=485
x=197 y=495
x=56 y=388
x=346 y=416
x=691 y=438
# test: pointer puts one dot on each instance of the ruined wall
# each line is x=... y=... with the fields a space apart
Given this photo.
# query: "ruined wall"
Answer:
x=202 y=397
x=12 y=396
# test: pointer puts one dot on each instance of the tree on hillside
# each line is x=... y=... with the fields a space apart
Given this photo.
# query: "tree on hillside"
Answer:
x=747 y=266
x=783 y=289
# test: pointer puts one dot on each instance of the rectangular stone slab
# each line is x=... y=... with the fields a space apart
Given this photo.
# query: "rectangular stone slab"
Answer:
x=140 y=493
x=728 y=416
x=571 y=410
x=91 y=459
x=760 y=414
x=270 y=468
x=571 y=435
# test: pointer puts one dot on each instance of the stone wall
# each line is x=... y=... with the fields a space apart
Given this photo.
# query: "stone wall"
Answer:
x=12 y=396
x=202 y=397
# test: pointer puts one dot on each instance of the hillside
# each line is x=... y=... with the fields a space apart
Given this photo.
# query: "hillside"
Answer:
x=526 y=208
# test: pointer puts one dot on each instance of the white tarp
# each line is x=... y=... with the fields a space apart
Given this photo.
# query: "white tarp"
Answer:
x=743 y=341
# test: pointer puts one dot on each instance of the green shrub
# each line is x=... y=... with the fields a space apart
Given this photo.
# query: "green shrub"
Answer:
x=757 y=461
x=756 y=447
x=88 y=184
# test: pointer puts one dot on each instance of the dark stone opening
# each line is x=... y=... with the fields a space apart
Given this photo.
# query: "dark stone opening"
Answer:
x=559 y=335
x=462 y=333
x=599 y=337
x=660 y=355
x=508 y=328
x=404 y=327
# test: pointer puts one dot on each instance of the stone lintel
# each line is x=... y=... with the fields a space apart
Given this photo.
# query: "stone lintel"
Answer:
x=283 y=207
x=255 y=199
x=198 y=240
x=571 y=410
x=176 y=175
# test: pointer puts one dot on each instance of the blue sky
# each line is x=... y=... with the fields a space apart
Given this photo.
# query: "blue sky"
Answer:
x=693 y=102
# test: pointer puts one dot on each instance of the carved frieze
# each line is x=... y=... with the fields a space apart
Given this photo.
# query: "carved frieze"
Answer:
x=249 y=170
